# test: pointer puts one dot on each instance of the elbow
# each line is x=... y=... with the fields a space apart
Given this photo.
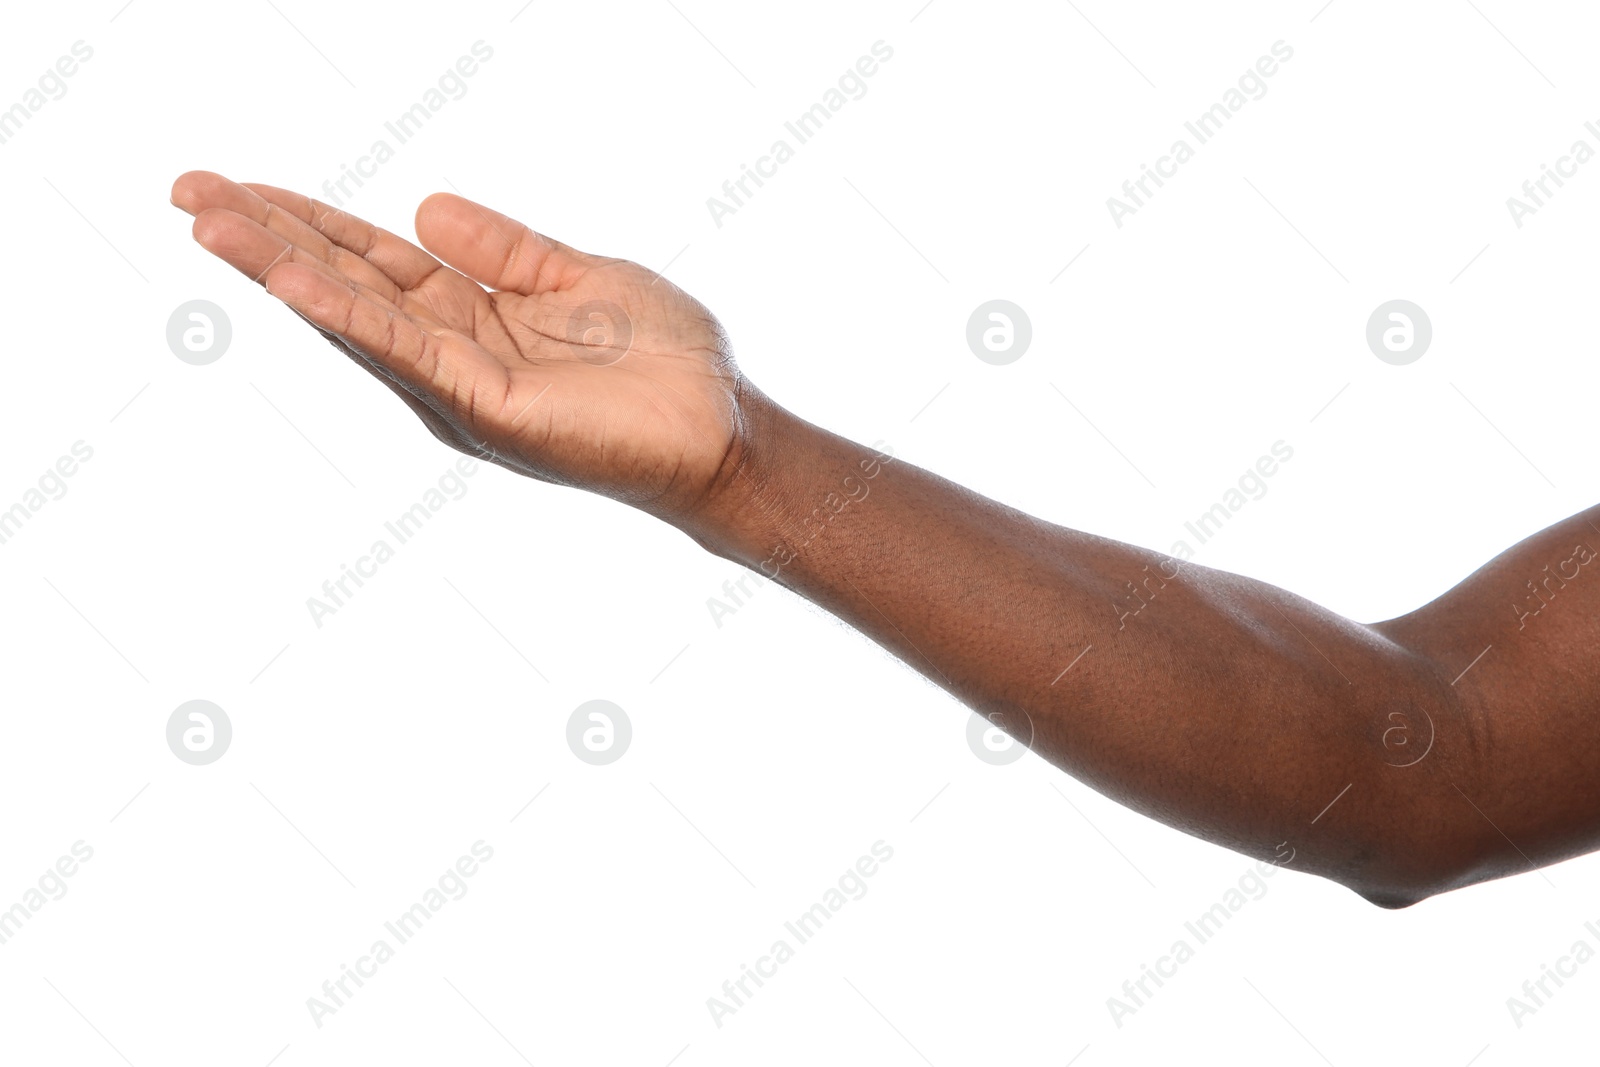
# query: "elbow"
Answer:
x=1404 y=872
x=1393 y=898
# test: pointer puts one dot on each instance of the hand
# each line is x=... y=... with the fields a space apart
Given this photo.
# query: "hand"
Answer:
x=574 y=369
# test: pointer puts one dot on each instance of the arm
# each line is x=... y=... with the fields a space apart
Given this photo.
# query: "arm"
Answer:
x=1217 y=704
x=1222 y=706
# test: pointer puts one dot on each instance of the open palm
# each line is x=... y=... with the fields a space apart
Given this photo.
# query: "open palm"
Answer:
x=570 y=368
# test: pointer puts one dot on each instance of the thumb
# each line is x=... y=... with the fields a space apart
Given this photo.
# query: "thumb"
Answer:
x=496 y=250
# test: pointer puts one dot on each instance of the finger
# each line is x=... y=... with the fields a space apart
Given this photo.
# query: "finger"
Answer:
x=497 y=250
x=442 y=364
x=200 y=191
x=406 y=264
x=253 y=250
x=426 y=408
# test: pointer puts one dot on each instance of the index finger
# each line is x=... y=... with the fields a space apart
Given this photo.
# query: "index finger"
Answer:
x=406 y=264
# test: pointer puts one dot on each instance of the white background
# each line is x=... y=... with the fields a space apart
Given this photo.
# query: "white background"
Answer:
x=771 y=752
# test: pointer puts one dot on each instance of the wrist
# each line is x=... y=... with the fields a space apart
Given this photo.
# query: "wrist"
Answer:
x=783 y=485
x=741 y=510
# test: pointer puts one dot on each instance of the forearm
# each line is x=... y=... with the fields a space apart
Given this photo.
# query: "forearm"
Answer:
x=1219 y=705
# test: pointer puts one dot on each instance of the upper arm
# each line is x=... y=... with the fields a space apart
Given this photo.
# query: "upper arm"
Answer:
x=1519 y=640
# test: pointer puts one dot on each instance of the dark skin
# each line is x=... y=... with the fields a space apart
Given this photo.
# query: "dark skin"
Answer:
x=1406 y=758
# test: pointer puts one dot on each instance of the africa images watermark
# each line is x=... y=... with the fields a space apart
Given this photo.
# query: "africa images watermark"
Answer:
x=52 y=85
x=853 y=490
x=1150 y=583
x=736 y=991
x=1203 y=128
x=1252 y=486
x=52 y=885
x=1544 y=592
x=451 y=485
x=831 y=507
x=450 y=85
x=802 y=128
x=1567 y=166
x=1251 y=885
x=336 y=991
x=51 y=485
x=1536 y=991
